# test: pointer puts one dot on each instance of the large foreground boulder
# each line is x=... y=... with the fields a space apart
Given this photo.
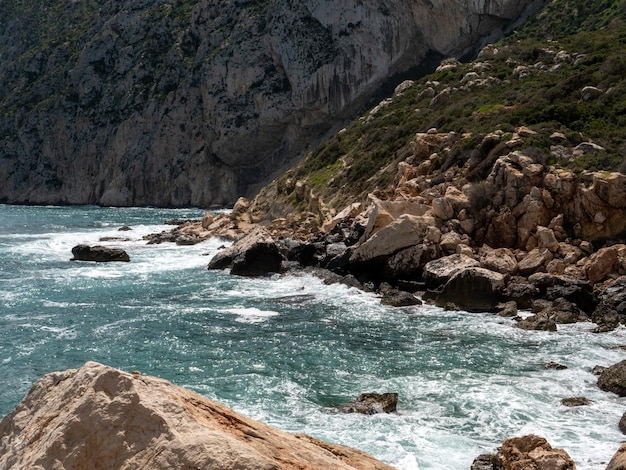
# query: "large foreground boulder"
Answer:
x=99 y=417
x=256 y=254
x=100 y=254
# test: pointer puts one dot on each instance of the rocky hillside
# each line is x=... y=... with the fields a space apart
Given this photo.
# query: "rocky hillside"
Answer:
x=561 y=78
x=193 y=102
x=100 y=417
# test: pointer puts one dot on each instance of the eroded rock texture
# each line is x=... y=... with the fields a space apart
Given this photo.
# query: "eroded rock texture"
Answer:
x=99 y=417
x=180 y=102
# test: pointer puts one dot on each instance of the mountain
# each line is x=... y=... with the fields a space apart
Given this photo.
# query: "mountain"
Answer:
x=180 y=102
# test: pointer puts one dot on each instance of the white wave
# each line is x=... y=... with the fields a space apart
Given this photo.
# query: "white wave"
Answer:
x=251 y=314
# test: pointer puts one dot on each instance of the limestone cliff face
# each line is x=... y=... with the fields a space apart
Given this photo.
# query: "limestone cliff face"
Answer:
x=99 y=417
x=181 y=102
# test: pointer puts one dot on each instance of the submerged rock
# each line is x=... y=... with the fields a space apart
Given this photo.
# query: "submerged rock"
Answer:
x=99 y=417
x=100 y=254
x=371 y=403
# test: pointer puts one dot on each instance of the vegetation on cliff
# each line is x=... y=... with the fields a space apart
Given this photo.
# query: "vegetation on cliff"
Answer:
x=563 y=76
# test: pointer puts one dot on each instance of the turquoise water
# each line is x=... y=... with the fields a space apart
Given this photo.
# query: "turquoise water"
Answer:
x=284 y=349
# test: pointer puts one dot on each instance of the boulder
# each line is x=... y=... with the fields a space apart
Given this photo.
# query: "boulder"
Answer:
x=100 y=254
x=525 y=453
x=522 y=292
x=618 y=462
x=409 y=262
x=603 y=262
x=500 y=260
x=622 y=424
x=613 y=379
x=546 y=239
x=535 y=260
x=534 y=452
x=256 y=254
x=539 y=322
x=371 y=403
x=575 y=401
x=408 y=230
x=100 y=417
x=398 y=298
x=554 y=366
x=439 y=271
x=577 y=291
x=474 y=289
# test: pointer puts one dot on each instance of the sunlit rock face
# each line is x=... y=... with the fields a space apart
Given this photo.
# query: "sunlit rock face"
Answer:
x=177 y=103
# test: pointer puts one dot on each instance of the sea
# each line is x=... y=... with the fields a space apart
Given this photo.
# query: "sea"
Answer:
x=286 y=349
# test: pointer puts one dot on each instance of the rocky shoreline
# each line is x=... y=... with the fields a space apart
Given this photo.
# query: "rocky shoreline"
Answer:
x=528 y=237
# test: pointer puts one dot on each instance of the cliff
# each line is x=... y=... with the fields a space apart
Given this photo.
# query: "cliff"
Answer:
x=179 y=102
x=99 y=417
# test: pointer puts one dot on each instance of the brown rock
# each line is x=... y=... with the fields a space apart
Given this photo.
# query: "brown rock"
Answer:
x=618 y=462
x=439 y=271
x=254 y=255
x=575 y=401
x=406 y=231
x=99 y=417
x=500 y=260
x=613 y=379
x=539 y=322
x=371 y=403
x=534 y=452
x=546 y=239
x=602 y=263
x=535 y=261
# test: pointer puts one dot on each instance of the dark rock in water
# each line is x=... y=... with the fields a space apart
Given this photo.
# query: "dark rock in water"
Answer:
x=560 y=310
x=577 y=291
x=554 y=366
x=521 y=292
x=613 y=379
x=611 y=309
x=99 y=254
x=473 y=289
x=575 y=401
x=537 y=322
x=597 y=370
x=371 y=403
x=256 y=254
x=622 y=424
x=398 y=298
x=508 y=309
x=486 y=462
x=124 y=228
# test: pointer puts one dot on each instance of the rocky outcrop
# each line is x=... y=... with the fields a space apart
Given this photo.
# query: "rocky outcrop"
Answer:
x=256 y=254
x=99 y=417
x=371 y=403
x=100 y=254
x=526 y=452
x=174 y=103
